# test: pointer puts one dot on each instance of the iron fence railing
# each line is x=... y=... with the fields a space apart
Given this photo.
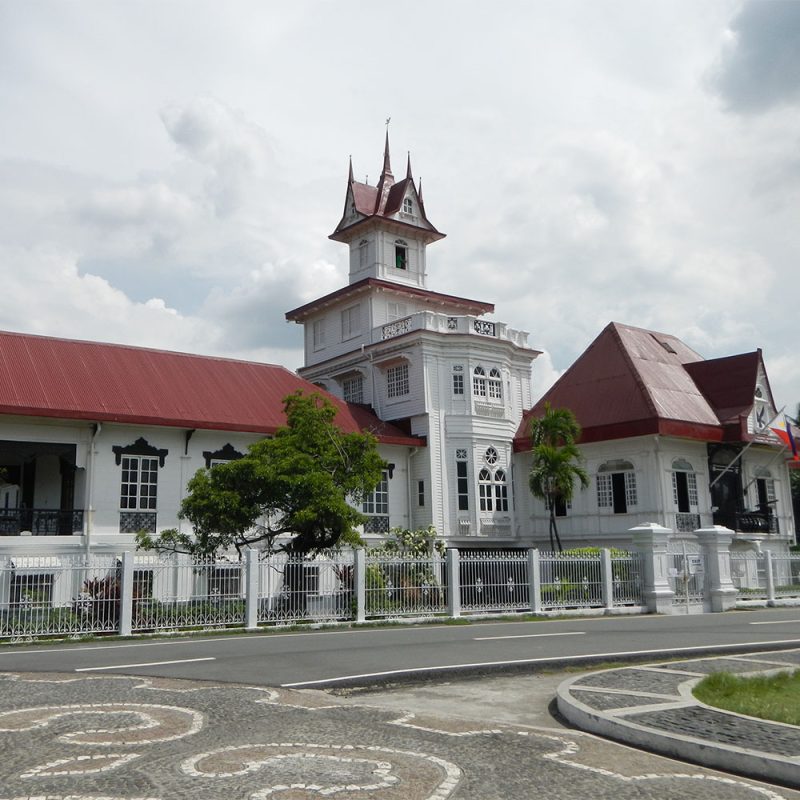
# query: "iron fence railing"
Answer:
x=627 y=573
x=401 y=586
x=40 y=521
x=494 y=580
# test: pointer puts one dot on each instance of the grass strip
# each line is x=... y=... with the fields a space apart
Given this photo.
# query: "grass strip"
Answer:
x=775 y=697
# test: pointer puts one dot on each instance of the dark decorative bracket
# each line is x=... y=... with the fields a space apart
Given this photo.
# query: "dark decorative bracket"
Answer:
x=141 y=447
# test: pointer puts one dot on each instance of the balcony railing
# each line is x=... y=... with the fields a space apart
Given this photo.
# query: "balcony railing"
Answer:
x=442 y=323
x=748 y=522
x=40 y=521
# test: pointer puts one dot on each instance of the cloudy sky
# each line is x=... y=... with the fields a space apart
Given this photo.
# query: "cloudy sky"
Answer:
x=170 y=171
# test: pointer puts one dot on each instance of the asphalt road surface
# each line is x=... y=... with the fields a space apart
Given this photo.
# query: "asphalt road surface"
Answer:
x=363 y=656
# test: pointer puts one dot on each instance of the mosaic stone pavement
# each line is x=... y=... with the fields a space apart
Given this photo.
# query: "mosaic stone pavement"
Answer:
x=125 y=738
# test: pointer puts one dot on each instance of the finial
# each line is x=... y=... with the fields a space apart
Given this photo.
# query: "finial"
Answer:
x=419 y=190
x=409 y=176
x=387 y=167
x=350 y=174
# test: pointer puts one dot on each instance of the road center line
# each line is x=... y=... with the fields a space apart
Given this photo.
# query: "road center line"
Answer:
x=776 y=622
x=526 y=636
x=144 y=664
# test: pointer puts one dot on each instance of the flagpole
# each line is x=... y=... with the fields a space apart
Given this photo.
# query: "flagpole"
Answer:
x=777 y=455
x=743 y=451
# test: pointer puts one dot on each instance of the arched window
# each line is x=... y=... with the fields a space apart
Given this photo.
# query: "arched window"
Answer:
x=495 y=384
x=479 y=382
x=408 y=206
x=684 y=485
x=492 y=490
x=616 y=486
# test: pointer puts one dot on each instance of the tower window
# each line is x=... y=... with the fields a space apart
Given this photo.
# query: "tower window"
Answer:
x=493 y=490
x=458 y=379
x=318 y=333
x=351 y=322
x=479 y=382
x=462 y=480
x=400 y=254
x=397 y=381
x=363 y=253
x=408 y=206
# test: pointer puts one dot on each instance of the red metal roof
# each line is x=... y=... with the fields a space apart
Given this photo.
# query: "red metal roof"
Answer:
x=631 y=381
x=65 y=379
x=474 y=306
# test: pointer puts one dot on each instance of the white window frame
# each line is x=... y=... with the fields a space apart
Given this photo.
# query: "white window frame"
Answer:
x=353 y=389
x=376 y=504
x=605 y=485
x=318 y=334
x=137 y=494
x=479 y=382
x=397 y=381
x=408 y=206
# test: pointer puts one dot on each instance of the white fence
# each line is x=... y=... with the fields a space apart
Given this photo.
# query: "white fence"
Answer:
x=765 y=576
x=132 y=593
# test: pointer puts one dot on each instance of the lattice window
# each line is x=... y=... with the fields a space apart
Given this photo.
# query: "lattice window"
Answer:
x=139 y=487
x=353 y=389
x=397 y=381
x=479 y=382
x=378 y=501
x=495 y=385
x=492 y=490
x=408 y=206
x=605 y=496
x=630 y=488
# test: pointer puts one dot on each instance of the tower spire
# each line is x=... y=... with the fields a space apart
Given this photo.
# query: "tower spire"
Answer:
x=387 y=166
x=350 y=173
x=409 y=176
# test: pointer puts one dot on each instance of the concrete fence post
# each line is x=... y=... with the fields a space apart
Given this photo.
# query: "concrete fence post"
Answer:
x=770 y=575
x=360 y=583
x=534 y=581
x=126 y=595
x=716 y=543
x=608 y=579
x=651 y=540
x=252 y=582
x=453 y=583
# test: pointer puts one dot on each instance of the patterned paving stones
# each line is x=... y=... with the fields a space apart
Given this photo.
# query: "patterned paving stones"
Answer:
x=125 y=738
x=679 y=725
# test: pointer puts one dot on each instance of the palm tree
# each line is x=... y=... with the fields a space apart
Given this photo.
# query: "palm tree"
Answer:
x=555 y=465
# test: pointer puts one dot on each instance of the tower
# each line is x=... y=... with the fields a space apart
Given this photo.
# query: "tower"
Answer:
x=429 y=362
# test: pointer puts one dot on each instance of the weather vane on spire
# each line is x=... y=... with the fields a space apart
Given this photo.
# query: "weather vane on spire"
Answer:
x=388 y=120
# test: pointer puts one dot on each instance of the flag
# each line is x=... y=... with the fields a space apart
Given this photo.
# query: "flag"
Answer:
x=784 y=433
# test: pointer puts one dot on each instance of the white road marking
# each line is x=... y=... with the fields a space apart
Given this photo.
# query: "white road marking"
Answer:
x=776 y=622
x=526 y=636
x=440 y=668
x=144 y=664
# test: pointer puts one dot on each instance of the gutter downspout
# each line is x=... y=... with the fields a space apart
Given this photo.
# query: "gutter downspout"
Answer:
x=98 y=427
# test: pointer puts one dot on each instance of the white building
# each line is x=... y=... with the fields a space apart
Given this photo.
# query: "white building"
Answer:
x=98 y=441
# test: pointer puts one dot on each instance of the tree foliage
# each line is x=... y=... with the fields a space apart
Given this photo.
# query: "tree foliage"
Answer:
x=294 y=492
x=555 y=465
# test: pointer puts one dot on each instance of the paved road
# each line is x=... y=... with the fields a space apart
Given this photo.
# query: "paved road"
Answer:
x=367 y=655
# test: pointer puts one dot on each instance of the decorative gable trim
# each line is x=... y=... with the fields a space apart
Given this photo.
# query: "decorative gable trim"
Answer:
x=141 y=447
x=226 y=453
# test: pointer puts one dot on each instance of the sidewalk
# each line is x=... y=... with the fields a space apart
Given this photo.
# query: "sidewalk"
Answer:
x=653 y=707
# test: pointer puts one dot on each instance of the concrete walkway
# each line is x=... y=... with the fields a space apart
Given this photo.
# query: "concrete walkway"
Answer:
x=653 y=707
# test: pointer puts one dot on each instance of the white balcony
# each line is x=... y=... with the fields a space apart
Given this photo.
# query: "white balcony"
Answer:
x=445 y=323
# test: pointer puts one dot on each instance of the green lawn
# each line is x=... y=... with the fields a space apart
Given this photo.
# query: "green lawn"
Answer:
x=775 y=697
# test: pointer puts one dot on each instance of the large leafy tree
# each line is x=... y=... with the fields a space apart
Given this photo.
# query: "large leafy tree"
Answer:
x=295 y=492
x=555 y=465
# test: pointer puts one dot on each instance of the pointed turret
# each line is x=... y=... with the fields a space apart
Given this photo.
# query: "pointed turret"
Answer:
x=386 y=180
x=409 y=176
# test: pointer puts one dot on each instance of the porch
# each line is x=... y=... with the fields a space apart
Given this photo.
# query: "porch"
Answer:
x=38 y=485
